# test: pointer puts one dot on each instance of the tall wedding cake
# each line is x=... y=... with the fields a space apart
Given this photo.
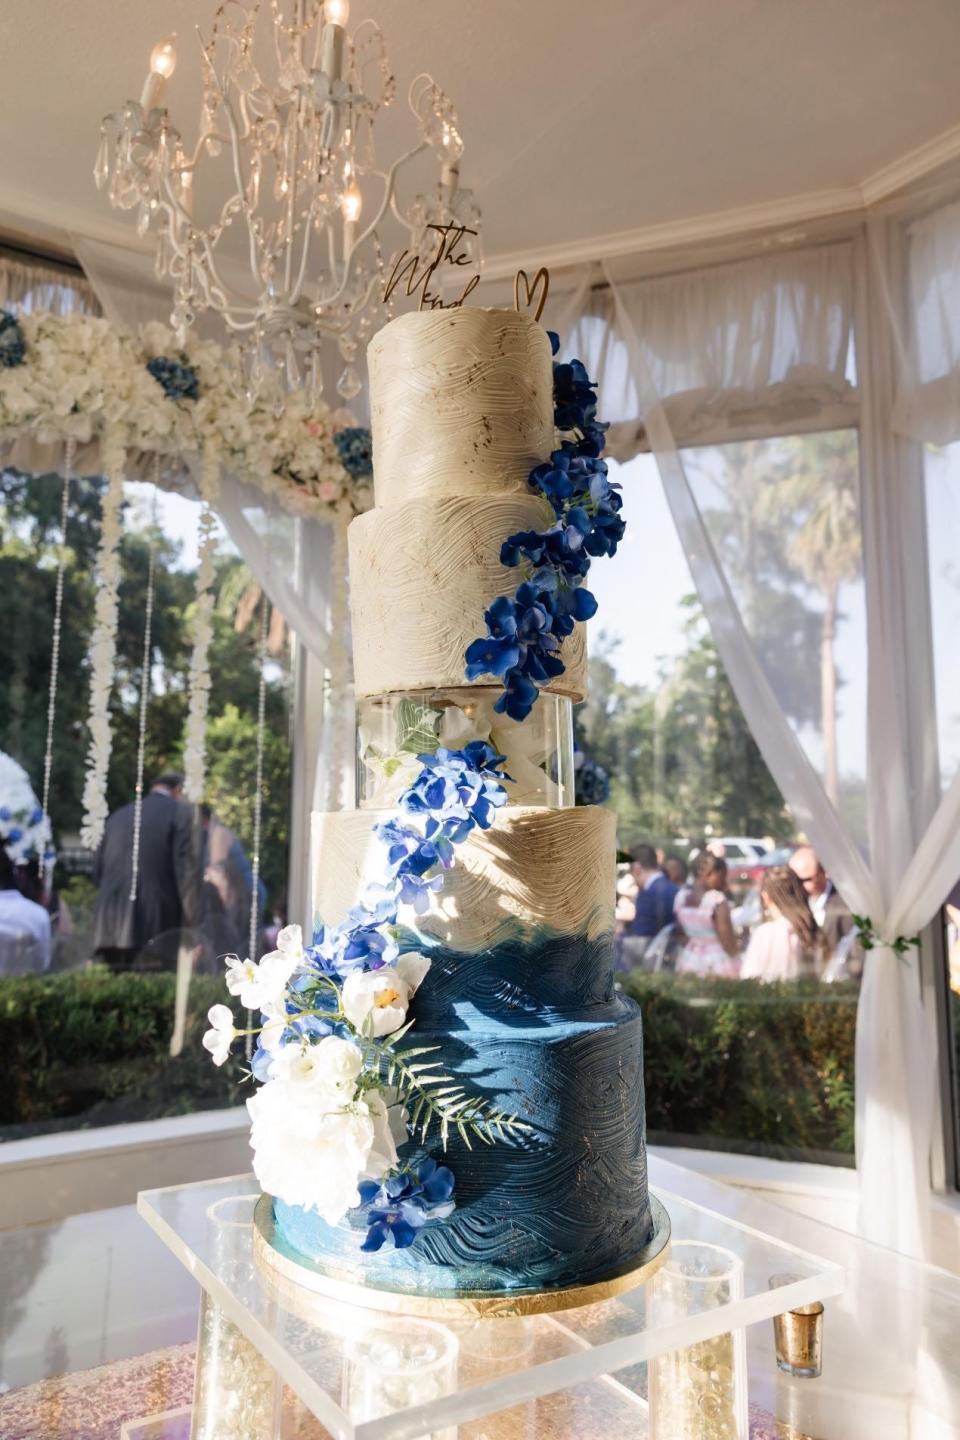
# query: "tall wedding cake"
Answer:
x=518 y=1006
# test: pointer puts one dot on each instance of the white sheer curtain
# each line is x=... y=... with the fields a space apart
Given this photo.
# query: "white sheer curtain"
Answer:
x=763 y=347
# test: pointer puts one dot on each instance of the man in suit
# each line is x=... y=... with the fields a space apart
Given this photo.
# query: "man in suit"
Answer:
x=653 y=906
x=167 y=882
x=828 y=909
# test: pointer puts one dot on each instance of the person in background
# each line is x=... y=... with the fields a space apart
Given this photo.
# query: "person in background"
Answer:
x=676 y=871
x=168 y=880
x=789 y=942
x=25 y=939
x=652 y=906
x=828 y=909
x=703 y=913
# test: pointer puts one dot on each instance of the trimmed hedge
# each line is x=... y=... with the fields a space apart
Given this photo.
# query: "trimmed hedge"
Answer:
x=92 y=1048
x=749 y=1066
x=735 y=1064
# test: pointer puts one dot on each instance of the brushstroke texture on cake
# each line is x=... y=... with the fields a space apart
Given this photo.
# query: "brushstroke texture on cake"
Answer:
x=520 y=1001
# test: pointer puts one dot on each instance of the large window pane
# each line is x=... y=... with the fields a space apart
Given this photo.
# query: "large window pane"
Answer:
x=942 y=478
x=749 y=1064
x=110 y=1031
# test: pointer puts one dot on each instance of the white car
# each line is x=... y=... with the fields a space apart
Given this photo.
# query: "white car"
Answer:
x=739 y=848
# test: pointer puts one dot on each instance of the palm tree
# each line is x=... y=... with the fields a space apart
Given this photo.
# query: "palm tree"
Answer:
x=820 y=493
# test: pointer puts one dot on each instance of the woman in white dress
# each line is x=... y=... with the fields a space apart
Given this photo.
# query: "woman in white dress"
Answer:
x=703 y=914
x=789 y=943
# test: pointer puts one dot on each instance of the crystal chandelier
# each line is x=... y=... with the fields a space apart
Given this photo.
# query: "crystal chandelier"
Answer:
x=292 y=166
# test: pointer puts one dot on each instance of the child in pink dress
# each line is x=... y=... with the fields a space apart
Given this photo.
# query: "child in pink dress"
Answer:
x=703 y=914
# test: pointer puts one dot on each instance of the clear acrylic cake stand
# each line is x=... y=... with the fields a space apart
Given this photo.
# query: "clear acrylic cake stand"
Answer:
x=369 y=1376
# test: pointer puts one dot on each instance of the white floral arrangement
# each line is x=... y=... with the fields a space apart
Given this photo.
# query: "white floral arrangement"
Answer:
x=79 y=376
x=24 y=828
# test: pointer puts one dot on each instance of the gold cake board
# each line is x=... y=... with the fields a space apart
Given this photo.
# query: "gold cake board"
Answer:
x=294 y=1275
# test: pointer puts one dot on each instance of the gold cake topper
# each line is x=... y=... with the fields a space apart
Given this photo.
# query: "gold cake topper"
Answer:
x=535 y=291
x=417 y=273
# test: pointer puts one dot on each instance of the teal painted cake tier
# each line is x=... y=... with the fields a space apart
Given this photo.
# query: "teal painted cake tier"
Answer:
x=536 y=1029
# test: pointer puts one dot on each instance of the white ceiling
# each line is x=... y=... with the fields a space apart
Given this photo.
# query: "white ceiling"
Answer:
x=581 y=119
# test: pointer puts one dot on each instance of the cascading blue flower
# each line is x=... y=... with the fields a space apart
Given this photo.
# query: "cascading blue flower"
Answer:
x=525 y=630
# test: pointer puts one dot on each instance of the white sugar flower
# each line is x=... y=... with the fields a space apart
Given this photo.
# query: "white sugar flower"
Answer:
x=306 y=1154
x=389 y=1131
x=375 y=1001
x=329 y=1068
x=263 y=986
x=221 y=1036
x=243 y=977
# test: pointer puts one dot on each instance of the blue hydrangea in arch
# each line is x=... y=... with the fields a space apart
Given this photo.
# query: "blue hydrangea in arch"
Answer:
x=525 y=630
x=178 y=380
x=355 y=448
x=13 y=348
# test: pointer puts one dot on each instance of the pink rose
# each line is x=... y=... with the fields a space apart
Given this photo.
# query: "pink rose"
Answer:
x=328 y=490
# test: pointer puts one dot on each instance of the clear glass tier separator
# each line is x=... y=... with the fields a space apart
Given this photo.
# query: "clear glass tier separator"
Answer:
x=318 y=1353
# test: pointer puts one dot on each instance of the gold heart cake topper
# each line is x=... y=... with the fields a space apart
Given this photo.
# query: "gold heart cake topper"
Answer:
x=535 y=293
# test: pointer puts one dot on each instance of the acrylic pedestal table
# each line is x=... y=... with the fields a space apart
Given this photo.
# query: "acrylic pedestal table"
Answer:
x=366 y=1375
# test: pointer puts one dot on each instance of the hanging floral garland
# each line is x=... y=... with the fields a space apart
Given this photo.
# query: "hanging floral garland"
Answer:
x=103 y=642
x=194 y=755
x=78 y=375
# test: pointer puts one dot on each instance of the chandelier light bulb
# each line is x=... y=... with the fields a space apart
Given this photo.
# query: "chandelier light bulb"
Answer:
x=336 y=12
x=351 y=203
x=163 y=57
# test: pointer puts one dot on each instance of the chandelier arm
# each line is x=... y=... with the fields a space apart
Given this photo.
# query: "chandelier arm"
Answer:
x=297 y=290
x=294 y=156
x=235 y=142
x=384 y=205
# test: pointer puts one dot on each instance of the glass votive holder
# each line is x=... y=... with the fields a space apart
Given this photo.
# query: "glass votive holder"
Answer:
x=700 y=1390
x=394 y=1364
x=798 y=1336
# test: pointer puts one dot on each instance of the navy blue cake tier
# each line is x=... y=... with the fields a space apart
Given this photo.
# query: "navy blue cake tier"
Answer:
x=536 y=1028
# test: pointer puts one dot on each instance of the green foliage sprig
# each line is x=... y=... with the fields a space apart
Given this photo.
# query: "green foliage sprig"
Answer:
x=869 y=938
x=432 y=1097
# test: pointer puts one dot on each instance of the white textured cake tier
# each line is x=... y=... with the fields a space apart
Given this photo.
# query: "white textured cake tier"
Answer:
x=536 y=870
x=422 y=574
x=461 y=403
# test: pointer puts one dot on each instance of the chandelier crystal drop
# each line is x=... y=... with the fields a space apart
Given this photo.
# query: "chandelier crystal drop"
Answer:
x=288 y=162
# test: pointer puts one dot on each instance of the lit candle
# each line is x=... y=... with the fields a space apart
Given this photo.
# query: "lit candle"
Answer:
x=351 y=203
x=163 y=62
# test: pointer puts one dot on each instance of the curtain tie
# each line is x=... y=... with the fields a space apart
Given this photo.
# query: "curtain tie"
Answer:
x=870 y=940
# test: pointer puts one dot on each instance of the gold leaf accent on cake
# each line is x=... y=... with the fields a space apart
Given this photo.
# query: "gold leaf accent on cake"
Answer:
x=536 y=868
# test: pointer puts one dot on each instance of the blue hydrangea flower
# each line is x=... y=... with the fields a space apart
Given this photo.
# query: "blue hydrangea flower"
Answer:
x=400 y=1205
x=13 y=348
x=178 y=380
x=355 y=448
x=591 y=781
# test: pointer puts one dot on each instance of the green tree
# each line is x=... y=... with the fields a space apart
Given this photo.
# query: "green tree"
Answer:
x=681 y=759
x=29 y=534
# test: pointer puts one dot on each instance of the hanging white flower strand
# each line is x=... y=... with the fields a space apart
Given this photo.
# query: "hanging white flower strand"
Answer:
x=194 y=755
x=254 y=932
x=69 y=455
x=144 y=689
x=103 y=642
